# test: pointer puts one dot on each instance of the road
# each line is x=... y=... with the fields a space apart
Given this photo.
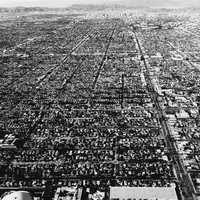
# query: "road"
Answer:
x=183 y=176
x=103 y=59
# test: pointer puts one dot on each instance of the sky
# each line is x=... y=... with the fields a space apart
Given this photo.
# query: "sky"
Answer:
x=48 y=3
x=65 y=3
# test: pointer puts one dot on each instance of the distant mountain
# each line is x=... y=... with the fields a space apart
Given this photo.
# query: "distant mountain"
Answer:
x=30 y=9
x=76 y=7
x=195 y=4
x=23 y=9
x=96 y=6
x=140 y=4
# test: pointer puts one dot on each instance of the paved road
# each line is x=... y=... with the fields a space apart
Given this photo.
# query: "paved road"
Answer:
x=178 y=164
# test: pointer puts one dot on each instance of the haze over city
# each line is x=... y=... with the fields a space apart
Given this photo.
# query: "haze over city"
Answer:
x=66 y=3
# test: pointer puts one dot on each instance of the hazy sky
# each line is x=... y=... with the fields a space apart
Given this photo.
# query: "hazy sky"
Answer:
x=48 y=3
x=65 y=3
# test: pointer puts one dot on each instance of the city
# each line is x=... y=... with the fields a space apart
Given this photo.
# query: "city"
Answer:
x=100 y=102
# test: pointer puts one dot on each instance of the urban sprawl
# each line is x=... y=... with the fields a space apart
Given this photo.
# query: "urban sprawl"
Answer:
x=100 y=100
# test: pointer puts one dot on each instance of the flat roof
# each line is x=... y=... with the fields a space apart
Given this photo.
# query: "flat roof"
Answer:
x=159 y=193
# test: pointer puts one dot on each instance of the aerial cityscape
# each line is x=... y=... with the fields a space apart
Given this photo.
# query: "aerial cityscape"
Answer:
x=100 y=102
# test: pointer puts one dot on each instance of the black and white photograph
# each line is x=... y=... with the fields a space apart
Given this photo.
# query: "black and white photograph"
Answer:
x=99 y=99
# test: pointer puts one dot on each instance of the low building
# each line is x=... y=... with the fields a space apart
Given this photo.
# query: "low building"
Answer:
x=136 y=193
